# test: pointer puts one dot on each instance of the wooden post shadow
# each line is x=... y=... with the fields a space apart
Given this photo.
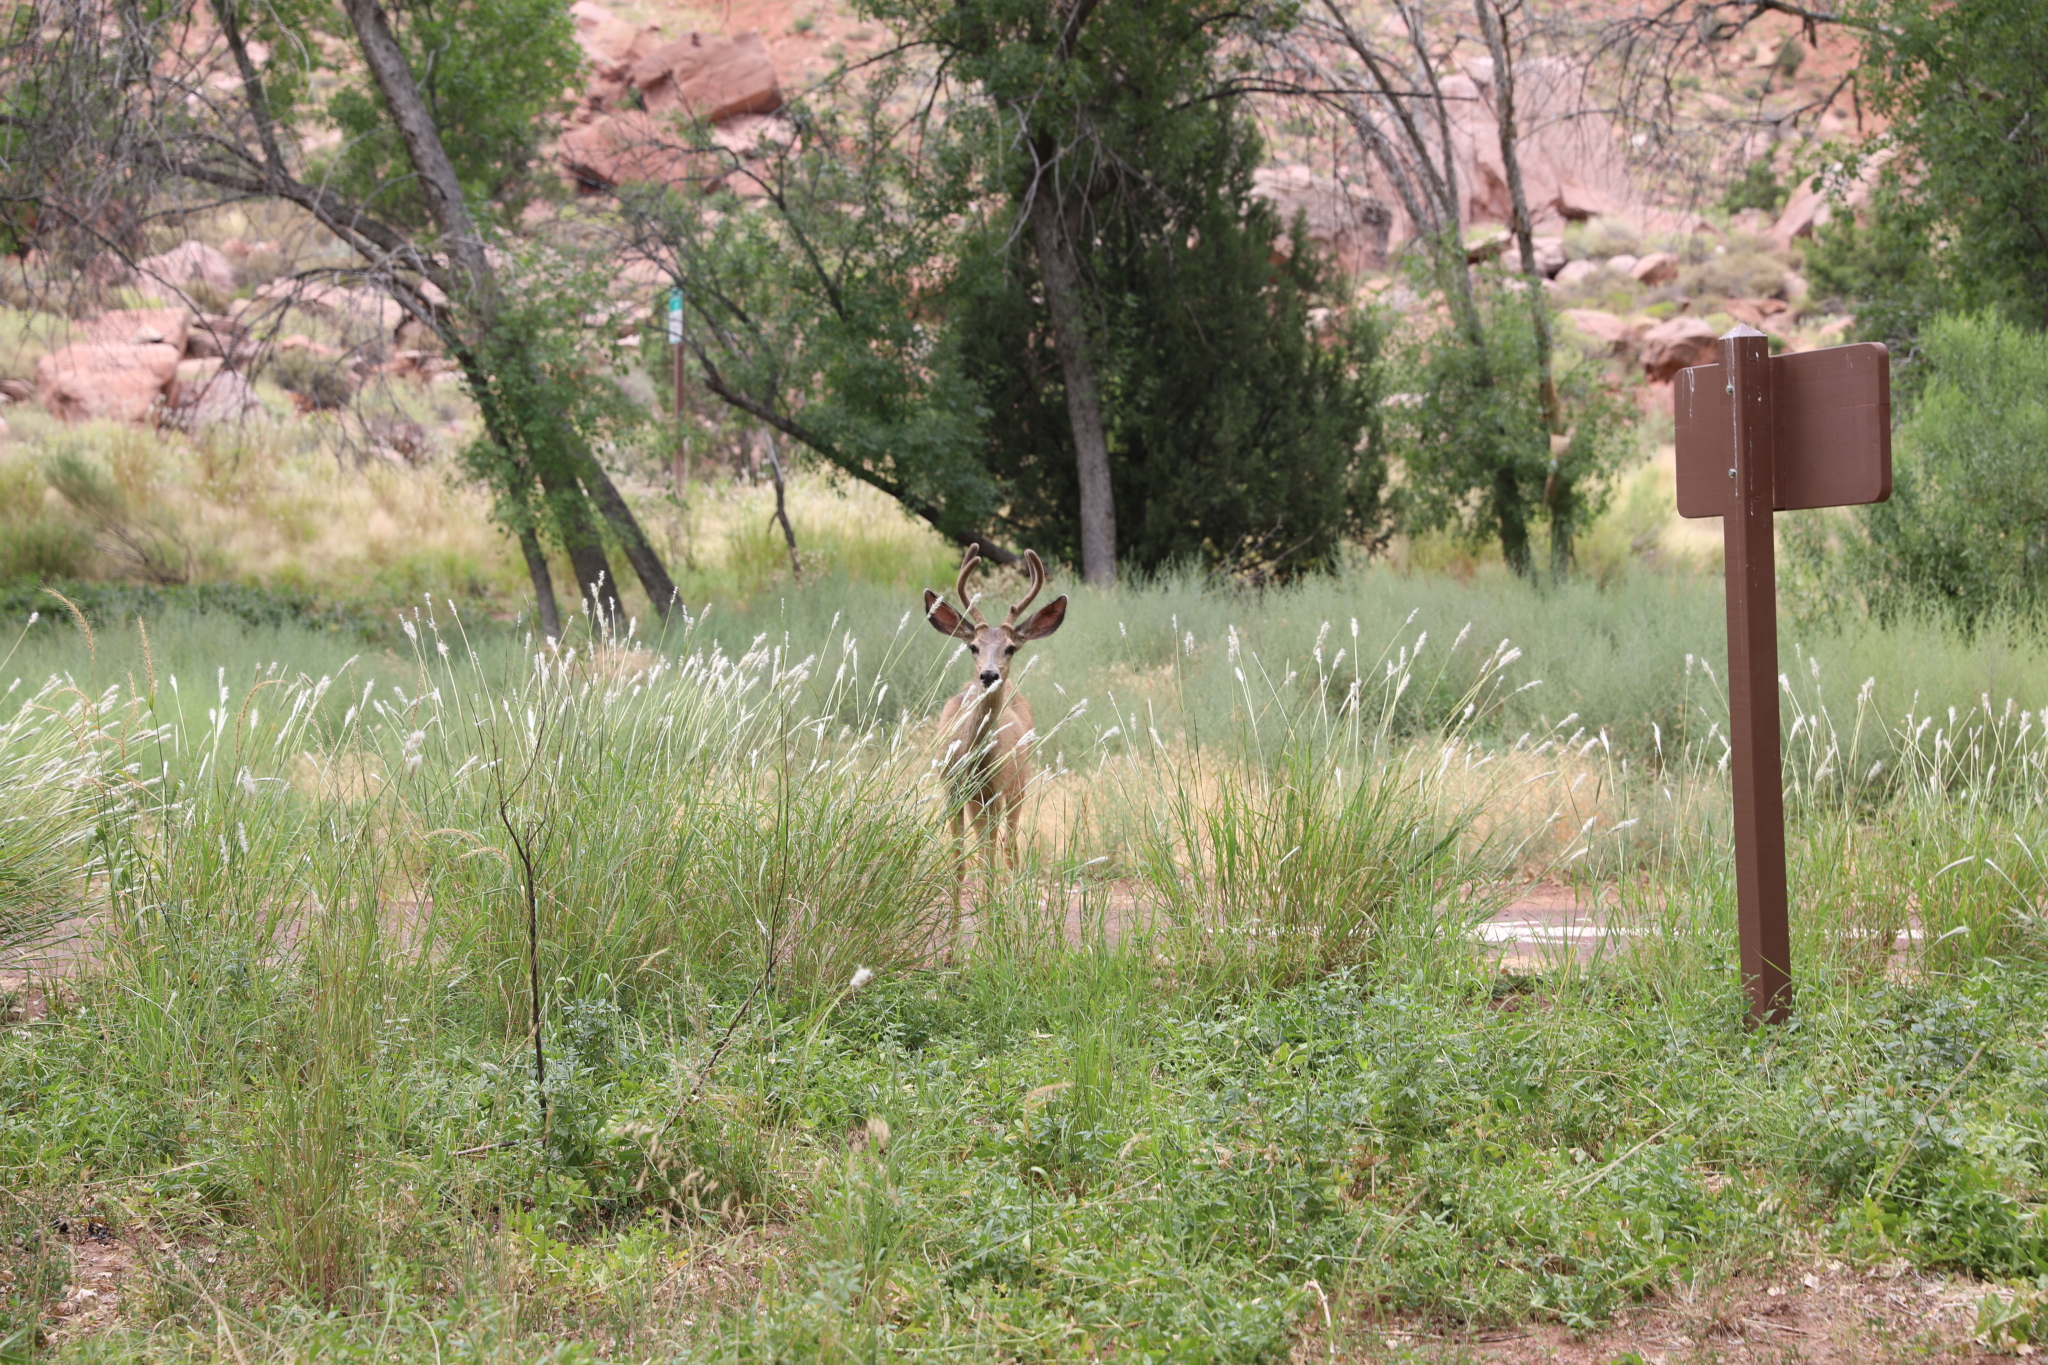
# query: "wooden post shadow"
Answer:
x=1760 y=434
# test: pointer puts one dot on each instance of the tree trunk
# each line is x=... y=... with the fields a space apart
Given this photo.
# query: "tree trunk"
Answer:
x=647 y=566
x=481 y=299
x=1557 y=500
x=438 y=181
x=1513 y=519
x=1053 y=231
x=543 y=584
x=596 y=585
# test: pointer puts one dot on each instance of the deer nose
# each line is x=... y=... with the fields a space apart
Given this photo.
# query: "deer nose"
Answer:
x=989 y=677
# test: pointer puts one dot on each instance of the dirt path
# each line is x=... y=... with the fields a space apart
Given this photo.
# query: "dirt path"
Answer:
x=1824 y=1314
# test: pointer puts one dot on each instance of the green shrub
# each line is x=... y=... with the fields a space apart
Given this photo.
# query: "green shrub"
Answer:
x=1756 y=188
x=136 y=532
x=323 y=383
x=1734 y=274
x=1965 y=534
x=107 y=604
x=35 y=541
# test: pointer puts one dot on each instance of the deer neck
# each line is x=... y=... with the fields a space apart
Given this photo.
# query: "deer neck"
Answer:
x=985 y=712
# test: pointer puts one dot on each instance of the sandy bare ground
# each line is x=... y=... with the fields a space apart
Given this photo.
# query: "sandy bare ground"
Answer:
x=1825 y=1313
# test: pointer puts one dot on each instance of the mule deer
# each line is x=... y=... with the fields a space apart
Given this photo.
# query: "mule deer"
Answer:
x=985 y=730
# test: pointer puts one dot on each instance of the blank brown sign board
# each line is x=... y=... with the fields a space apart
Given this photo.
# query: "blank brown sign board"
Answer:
x=1760 y=434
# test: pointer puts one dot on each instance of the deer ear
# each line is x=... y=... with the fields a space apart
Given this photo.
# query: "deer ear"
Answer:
x=1045 y=620
x=944 y=619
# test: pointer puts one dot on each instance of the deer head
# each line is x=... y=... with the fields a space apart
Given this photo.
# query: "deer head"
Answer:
x=994 y=647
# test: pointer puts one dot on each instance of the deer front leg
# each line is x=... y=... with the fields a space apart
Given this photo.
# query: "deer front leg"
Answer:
x=959 y=878
x=1013 y=810
x=988 y=821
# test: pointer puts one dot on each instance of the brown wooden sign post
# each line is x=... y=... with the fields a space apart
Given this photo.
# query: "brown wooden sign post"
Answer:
x=1760 y=434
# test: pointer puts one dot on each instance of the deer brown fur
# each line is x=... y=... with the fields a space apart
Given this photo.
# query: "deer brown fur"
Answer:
x=984 y=732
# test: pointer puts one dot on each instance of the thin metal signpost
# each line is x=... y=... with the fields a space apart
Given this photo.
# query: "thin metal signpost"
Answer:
x=675 y=342
x=1759 y=434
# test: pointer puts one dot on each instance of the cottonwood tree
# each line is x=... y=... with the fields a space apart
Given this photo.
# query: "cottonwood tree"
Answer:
x=1958 y=217
x=1486 y=434
x=117 y=113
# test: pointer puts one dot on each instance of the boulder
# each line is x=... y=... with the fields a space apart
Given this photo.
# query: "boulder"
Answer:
x=1805 y=210
x=1757 y=313
x=16 y=390
x=120 y=381
x=629 y=148
x=1659 y=267
x=209 y=395
x=613 y=47
x=1675 y=345
x=1576 y=272
x=1345 y=223
x=368 y=309
x=166 y=277
x=213 y=334
x=1809 y=208
x=239 y=251
x=1550 y=257
x=138 y=327
x=191 y=379
x=709 y=77
x=1618 y=335
x=298 y=341
x=1623 y=264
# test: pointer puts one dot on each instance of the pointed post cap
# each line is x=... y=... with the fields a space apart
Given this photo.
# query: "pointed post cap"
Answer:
x=1740 y=330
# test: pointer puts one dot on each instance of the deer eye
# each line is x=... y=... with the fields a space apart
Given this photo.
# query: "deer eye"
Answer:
x=1011 y=650
x=974 y=649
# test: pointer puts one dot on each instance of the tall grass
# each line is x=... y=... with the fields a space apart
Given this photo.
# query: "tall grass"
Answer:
x=490 y=989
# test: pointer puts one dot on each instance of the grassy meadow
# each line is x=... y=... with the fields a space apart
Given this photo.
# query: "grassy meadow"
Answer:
x=420 y=990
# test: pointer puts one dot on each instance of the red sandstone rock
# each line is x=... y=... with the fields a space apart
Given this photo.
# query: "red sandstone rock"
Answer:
x=618 y=149
x=138 y=327
x=164 y=278
x=205 y=394
x=1346 y=223
x=1617 y=334
x=1659 y=267
x=709 y=77
x=121 y=381
x=1673 y=346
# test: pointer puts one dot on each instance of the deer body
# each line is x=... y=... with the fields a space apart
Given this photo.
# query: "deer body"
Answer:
x=984 y=732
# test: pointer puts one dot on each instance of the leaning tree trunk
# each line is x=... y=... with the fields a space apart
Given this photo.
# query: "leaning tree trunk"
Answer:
x=1053 y=229
x=543 y=583
x=633 y=541
x=481 y=299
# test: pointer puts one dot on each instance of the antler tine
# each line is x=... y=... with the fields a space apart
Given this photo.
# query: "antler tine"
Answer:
x=1037 y=568
x=967 y=563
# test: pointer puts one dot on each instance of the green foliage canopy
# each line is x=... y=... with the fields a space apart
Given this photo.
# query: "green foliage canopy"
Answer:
x=1958 y=220
x=1234 y=436
x=1965 y=534
x=491 y=72
x=1238 y=435
x=1466 y=425
x=815 y=310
